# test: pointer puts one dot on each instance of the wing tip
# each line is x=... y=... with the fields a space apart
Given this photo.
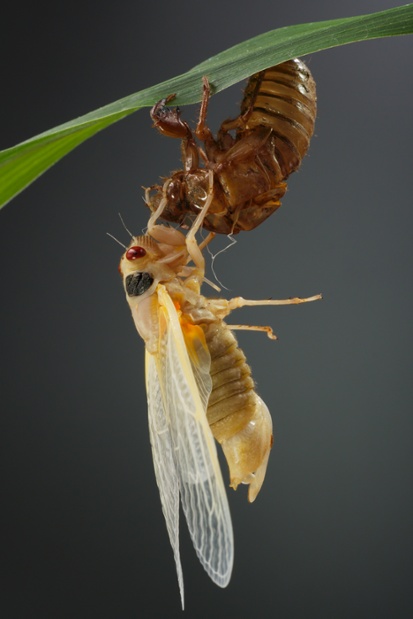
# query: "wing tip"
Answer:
x=220 y=576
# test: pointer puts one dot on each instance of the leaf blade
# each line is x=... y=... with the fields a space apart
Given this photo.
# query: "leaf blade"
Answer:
x=20 y=165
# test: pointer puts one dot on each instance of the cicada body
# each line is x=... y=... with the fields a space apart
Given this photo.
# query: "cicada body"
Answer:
x=272 y=135
x=199 y=388
x=239 y=419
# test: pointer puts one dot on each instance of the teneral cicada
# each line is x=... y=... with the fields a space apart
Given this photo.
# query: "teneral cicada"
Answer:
x=199 y=388
x=272 y=135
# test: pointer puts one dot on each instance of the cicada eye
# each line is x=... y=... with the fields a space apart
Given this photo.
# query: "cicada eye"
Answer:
x=135 y=252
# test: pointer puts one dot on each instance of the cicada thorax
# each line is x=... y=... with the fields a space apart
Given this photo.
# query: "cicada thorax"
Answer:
x=238 y=418
x=272 y=134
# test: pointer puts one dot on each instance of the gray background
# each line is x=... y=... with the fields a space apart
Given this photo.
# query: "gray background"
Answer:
x=331 y=532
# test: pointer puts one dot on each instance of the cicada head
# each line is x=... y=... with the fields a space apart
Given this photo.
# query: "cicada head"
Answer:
x=183 y=193
x=142 y=251
x=140 y=268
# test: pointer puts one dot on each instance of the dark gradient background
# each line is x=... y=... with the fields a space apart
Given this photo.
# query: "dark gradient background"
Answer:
x=82 y=533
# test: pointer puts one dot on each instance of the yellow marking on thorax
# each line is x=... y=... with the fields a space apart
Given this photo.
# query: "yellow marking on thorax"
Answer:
x=194 y=337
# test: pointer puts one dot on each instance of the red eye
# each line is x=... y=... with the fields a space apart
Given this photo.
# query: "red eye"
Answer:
x=135 y=252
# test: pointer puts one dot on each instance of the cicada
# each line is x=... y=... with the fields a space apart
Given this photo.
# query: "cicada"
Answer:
x=272 y=135
x=199 y=389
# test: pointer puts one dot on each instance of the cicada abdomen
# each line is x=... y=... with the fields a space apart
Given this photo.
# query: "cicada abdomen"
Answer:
x=251 y=157
x=239 y=419
x=283 y=99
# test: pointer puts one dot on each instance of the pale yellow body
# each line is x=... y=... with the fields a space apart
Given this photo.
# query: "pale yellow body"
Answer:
x=199 y=388
x=239 y=419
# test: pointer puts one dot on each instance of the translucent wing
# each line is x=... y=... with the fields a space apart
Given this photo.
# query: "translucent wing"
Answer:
x=203 y=494
x=164 y=463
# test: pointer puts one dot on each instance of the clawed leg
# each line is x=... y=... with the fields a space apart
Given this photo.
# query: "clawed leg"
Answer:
x=168 y=120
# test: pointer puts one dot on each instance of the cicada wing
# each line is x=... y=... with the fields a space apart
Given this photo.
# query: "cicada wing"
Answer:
x=203 y=494
x=164 y=462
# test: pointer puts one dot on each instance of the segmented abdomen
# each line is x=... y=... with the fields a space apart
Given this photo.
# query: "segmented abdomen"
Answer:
x=283 y=98
x=238 y=418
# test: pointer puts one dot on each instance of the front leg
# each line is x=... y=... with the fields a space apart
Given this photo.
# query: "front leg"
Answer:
x=193 y=248
x=168 y=121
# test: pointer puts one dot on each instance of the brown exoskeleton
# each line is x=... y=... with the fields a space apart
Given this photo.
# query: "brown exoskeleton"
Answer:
x=272 y=134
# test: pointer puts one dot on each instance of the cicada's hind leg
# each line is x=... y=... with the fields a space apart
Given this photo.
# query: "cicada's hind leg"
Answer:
x=223 y=307
x=237 y=302
x=268 y=330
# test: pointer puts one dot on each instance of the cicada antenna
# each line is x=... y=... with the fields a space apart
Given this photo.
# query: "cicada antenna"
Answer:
x=124 y=225
x=117 y=240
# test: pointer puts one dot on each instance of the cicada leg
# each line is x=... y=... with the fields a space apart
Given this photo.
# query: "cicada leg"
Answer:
x=207 y=240
x=223 y=307
x=194 y=250
x=159 y=232
x=168 y=120
x=238 y=302
x=156 y=214
x=268 y=330
x=202 y=131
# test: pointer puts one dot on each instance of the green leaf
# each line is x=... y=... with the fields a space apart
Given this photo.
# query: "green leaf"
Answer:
x=23 y=163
